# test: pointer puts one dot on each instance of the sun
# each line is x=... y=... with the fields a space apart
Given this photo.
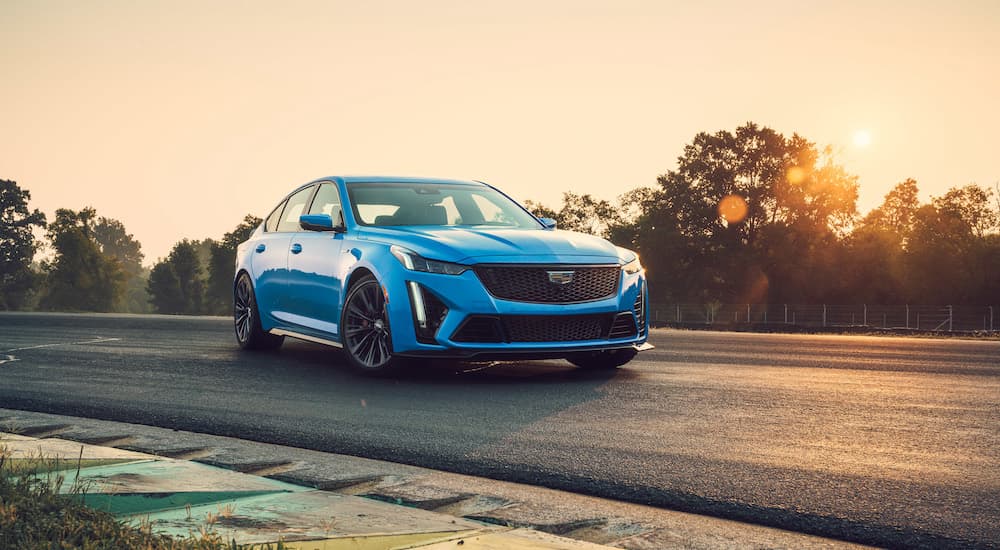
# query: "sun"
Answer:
x=862 y=138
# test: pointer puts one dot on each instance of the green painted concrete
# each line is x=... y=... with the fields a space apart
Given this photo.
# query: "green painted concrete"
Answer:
x=172 y=476
x=148 y=503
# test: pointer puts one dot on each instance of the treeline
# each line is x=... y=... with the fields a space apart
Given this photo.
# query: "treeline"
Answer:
x=753 y=216
x=197 y=276
x=748 y=216
x=96 y=264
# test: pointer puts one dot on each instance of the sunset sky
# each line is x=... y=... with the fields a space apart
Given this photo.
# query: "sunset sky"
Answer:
x=178 y=118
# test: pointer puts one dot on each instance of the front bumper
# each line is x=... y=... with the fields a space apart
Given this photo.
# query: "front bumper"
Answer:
x=515 y=354
x=466 y=298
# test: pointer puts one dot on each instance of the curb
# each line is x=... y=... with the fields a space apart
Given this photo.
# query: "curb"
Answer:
x=180 y=497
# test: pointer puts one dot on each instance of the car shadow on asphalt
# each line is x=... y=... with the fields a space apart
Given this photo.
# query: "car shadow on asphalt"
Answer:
x=317 y=358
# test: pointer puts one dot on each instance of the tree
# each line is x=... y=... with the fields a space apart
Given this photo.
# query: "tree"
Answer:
x=953 y=253
x=115 y=242
x=973 y=205
x=873 y=261
x=743 y=210
x=17 y=245
x=80 y=277
x=176 y=284
x=897 y=212
x=937 y=257
x=747 y=164
x=540 y=210
x=585 y=214
x=164 y=289
x=872 y=266
x=588 y=214
x=629 y=213
x=219 y=290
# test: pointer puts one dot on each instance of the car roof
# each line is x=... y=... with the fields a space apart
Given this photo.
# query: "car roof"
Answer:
x=398 y=179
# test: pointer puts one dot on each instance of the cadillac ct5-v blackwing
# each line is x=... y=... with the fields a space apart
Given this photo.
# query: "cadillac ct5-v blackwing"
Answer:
x=393 y=269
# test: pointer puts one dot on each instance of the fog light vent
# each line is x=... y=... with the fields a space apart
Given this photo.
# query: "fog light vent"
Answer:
x=428 y=312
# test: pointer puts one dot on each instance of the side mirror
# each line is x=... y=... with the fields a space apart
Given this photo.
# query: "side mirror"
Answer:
x=548 y=223
x=316 y=222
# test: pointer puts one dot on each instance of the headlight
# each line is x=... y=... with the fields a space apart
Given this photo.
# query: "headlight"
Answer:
x=415 y=262
x=633 y=266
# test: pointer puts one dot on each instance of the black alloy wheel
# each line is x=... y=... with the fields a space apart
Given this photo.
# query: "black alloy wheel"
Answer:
x=246 y=318
x=365 y=325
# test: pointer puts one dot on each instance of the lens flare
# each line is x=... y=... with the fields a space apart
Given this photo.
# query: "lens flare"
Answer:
x=733 y=209
x=796 y=175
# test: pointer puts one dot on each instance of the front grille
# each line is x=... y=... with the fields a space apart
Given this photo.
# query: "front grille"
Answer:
x=535 y=283
x=490 y=329
x=556 y=328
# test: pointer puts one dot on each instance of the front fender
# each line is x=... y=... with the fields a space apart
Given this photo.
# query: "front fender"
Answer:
x=375 y=258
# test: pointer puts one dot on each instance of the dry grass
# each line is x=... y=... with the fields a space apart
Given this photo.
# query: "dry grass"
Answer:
x=34 y=514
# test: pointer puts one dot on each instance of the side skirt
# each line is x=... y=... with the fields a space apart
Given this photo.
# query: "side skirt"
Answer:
x=306 y=337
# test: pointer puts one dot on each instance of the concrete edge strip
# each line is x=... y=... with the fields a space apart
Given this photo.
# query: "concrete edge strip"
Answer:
x=381 y=542
x=507 y=538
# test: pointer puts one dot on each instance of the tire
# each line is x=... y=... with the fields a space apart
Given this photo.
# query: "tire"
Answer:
x=246 y=318
x=602 y=360
x=367 y=337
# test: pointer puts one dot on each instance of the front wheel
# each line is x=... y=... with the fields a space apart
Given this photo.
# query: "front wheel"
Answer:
x=246 y=318
x=602 y=360
x=365 y=323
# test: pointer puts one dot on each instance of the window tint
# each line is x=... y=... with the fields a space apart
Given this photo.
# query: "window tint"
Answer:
x=294 y=208
x=454 y=218
x=272 y=221
x=491 y=211
x=385 y=204
x=327 y=201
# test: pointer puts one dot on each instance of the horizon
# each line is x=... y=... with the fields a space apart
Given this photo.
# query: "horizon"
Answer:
x=178 y=119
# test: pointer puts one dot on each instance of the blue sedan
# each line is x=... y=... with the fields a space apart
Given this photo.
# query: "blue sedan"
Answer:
x=393 y=270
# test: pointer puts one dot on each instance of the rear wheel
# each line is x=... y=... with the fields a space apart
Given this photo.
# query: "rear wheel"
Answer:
x=246 y=318
x=365 y=324
x=602 y=360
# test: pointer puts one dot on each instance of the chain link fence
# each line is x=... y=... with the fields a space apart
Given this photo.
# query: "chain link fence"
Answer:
x=905 y=317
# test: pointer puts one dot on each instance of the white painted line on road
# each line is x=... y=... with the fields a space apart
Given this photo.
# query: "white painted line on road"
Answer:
x=98 y=340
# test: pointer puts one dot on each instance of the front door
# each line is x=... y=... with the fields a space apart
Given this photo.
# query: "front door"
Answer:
x=314 y=270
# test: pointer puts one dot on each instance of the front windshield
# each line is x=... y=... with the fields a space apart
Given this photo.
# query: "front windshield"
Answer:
x=439 y=204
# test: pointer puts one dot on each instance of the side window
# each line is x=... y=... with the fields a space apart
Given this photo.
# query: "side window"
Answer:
x=294 y=208
x=327 y=201
x=272 y=220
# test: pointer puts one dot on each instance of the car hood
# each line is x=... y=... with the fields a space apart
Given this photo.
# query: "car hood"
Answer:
x=474 y=245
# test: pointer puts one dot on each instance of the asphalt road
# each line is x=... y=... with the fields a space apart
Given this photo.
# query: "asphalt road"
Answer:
x=888 y=441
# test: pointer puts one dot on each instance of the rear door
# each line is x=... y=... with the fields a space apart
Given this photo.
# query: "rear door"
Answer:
x=269 y=261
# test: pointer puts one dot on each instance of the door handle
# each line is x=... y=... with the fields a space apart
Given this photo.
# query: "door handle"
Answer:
x=260 y=248
x=296 y=248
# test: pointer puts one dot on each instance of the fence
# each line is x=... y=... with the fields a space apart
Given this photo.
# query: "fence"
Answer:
x=918 y=318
